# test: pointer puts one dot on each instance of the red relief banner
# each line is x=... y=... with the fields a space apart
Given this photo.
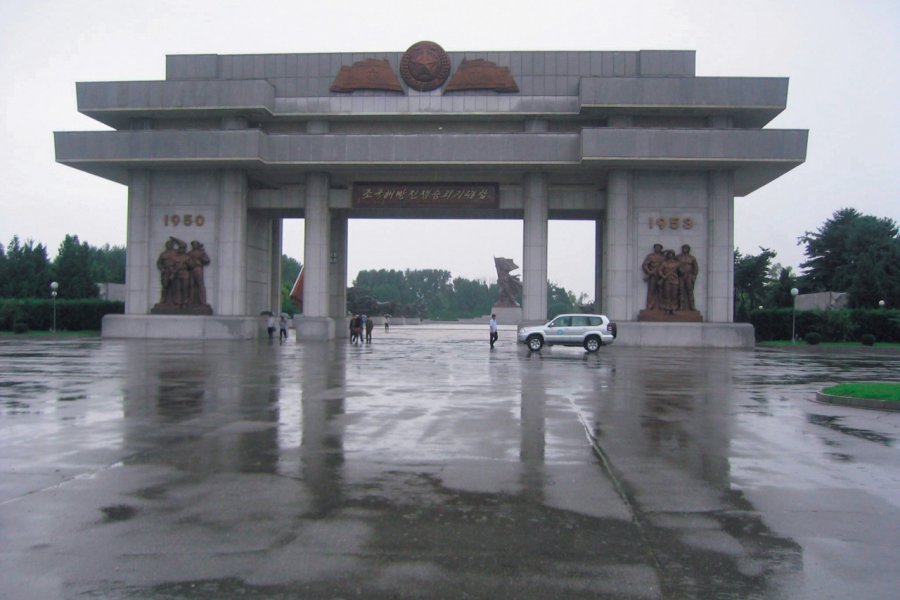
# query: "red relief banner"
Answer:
x=425 y=195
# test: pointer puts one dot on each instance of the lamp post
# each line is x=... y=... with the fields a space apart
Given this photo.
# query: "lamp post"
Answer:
x=794 y=292
x=53 y=287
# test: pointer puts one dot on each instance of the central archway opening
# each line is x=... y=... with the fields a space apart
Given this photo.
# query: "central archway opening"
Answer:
x=464 y=247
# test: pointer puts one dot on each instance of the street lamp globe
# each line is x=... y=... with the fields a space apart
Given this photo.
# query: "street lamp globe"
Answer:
x=794 y=292
x=881 y=304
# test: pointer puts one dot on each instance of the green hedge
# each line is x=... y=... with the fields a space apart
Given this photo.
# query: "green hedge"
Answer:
x=71 y=315
x=844 y=325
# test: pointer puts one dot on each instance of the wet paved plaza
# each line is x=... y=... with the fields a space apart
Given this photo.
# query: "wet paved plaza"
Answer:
x=426 y=465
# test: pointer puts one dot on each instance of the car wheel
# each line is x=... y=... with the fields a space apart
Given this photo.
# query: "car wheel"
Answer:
x=535 y=342
x=592 y=344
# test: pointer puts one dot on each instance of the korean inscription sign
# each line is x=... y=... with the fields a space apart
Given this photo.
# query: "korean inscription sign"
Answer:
x=426 y=195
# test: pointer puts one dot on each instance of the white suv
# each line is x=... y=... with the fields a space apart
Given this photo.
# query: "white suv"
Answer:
x=590 y=331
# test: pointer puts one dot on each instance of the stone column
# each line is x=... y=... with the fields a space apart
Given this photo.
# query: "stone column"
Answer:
x=140 y=260
x=337 y=272
x=316 y=246
x=534 y=259
x=231 y=295
x=720 y=249
x=619 y=280
x=619 y=299
x=599 y=271
x=316 y=322
x=275 y=265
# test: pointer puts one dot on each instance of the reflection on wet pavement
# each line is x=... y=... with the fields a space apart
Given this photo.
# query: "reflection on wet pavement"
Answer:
x=834 y=422
x=427 y=465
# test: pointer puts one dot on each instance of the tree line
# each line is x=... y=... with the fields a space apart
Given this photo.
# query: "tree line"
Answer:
x=851 y=252
x=26 y=270
x=436 y=294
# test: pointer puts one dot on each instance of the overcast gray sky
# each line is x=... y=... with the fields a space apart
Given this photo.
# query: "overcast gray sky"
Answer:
x=841 y=58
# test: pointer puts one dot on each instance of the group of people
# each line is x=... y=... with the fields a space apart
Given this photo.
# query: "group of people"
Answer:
x=181 y=274
x=360 y=324
x=670 y=279
x=282 y=327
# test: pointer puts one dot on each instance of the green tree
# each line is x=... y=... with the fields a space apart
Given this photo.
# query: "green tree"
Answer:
x=432 y=289
x=3 y=262
x=560 y=300
x=874 y=274
x=473 y=298
x=781 y=288
x=108 y=264
x=854 y=253
x=72 y=269
x=386 y=285
x=26 y=270
x=750 y=281
x=290 y=270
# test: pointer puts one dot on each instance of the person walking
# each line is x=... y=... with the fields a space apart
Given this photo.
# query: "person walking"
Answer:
x=283 y=330
x=354 y=329
x=492 y=325
x=270 y=326
x=370 y=325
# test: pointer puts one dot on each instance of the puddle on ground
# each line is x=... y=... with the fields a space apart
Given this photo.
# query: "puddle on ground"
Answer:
x=118 y=512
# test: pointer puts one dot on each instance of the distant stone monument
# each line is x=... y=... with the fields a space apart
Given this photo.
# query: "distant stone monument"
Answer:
x=506 y=307
x=670 y=285
x=425 y=132
x=182 y=289
x=510 y=286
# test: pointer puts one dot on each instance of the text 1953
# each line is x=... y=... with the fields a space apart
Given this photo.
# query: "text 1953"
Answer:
x=671 y=222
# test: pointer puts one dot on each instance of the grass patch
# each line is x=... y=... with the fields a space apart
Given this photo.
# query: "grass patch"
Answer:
x=31 y=333
x=873 y=391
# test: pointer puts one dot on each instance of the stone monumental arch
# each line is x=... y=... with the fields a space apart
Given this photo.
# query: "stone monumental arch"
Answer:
x=217 y=154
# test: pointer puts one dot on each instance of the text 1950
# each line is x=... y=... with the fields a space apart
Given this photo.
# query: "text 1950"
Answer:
x=187 y=220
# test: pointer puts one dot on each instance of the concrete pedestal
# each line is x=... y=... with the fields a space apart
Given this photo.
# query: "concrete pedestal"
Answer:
x=314 y=328
x=183 y=327
x=683 y=335
x=508 y=315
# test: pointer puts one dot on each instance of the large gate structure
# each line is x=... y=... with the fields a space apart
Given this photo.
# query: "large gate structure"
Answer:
x=217 y=154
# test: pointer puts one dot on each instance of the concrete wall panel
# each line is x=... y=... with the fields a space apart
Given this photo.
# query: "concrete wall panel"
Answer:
x=184 y=205
x=671 y=209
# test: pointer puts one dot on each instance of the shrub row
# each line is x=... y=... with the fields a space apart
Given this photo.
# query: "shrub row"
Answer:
x=844 y=325
x=71 y=315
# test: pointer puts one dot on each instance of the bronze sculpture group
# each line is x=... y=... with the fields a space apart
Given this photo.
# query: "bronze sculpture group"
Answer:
x=181 y=278
x=670 y=285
